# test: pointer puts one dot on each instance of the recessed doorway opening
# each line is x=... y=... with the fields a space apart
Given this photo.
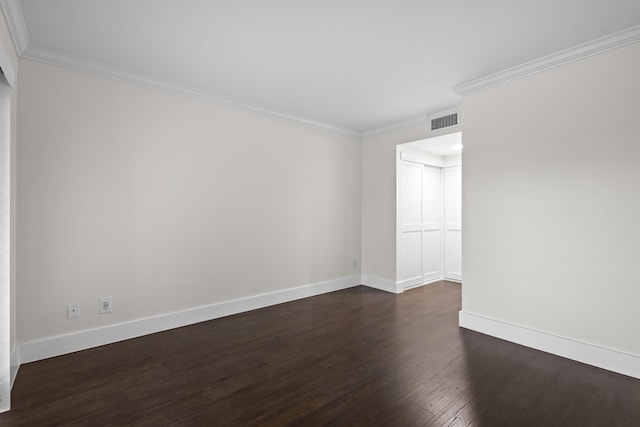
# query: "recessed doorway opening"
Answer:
x=429 y=211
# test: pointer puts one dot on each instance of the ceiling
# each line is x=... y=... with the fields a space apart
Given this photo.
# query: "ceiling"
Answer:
x=351 y=65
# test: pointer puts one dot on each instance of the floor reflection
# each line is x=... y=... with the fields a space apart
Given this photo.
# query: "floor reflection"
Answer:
x=357 y=357
x=512 y=385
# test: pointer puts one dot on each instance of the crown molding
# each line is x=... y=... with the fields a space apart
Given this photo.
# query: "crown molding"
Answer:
x=16 y=24
x=15 y=21
x=17 y=27
x=80 y=64
x=566 y=56
x=396 y=126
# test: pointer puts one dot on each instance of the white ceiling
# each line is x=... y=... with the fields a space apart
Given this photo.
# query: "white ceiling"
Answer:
x=355 y=65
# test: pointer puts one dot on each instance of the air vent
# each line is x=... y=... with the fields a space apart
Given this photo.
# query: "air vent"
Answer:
x=444 y=121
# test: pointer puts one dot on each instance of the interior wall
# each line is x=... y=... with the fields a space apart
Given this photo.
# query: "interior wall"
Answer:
x=551 y=201
x=166 y=202
x=6 y=44
x=379 y=199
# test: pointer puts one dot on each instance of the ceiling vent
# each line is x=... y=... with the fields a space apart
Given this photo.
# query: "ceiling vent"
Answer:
x=445 y=119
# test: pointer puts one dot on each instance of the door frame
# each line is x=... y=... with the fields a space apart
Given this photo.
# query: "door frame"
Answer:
x=7 y=245
x=427 y=159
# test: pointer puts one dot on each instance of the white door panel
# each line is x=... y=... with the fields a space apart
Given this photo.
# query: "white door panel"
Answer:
x=432 y=255
x=453 y=251
x=420 y=248
x=411 y=194
x=453 y=223
x=431 y=223
x=411 y=247
x=432 y=195
x=410 y=268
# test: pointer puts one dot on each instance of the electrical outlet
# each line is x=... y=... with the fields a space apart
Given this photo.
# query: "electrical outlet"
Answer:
x=106 y=305
x=73 y=311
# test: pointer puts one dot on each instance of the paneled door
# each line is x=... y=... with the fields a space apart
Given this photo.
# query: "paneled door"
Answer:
x=431 y=224
x=453 y=223
x=420 y=224
x=410 y=268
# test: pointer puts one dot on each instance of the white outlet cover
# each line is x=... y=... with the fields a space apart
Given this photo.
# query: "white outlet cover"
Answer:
x=106 y=305
x=73 y=311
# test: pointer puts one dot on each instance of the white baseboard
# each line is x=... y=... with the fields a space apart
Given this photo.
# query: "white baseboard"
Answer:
x=396 y=287
x=15 y=365
x=431 y=277
x=426 y=282
x=381 y=284
x=69 y=343
x=416 y=283
x=410 y=283
x=590 y=354
x=454 y=277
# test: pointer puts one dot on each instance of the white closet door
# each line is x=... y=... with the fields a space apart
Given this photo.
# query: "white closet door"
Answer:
x=431 y=224
x=410 y=269
x=453 y=223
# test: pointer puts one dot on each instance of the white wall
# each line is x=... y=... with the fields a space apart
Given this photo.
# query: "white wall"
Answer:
x=379 y=200
x=551 y=201
x=165 y=202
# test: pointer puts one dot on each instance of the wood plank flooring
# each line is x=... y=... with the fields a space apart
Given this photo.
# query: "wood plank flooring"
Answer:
x=357 y=357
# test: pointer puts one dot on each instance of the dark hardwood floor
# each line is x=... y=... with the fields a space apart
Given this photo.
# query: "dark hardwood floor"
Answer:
x=357 y=357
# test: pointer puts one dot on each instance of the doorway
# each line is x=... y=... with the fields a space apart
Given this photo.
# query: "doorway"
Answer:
x=429 y=211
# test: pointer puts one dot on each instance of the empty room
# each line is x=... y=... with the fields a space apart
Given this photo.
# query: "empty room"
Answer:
x=408 y=213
